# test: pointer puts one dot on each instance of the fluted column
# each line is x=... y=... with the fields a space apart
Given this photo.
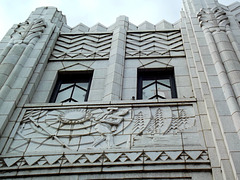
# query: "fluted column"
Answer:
x=214 y=22
x=22 y=54
x=19 y=48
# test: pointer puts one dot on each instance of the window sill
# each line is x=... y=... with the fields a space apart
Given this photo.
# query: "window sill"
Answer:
x=174 y=101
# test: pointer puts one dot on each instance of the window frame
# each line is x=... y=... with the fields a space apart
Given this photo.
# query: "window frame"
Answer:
x=71 y=77
x=155 y=74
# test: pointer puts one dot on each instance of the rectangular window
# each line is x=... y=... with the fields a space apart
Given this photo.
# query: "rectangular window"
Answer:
x=156 y=84
x=72 y=87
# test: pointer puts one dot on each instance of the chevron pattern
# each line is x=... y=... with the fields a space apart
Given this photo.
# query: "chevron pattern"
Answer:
x=154 y=44
x=82 y=46
x=104 y=158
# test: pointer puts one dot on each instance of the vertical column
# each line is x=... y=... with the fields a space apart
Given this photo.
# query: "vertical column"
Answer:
x=214 y=22
x=114 y=78
x=21 y=56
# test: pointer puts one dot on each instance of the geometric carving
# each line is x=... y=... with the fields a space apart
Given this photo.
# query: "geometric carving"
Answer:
x=194 y=154
x=173 y=154
x=103 y=128
x=155 y=64
x=10 y=161
x=102 y=158
x=154 y=44
x=82 y=46
x=113 y=156
x=76 y=67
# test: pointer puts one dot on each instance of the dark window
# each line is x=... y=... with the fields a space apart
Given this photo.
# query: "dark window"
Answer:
x=72 y=87
x=156 y=84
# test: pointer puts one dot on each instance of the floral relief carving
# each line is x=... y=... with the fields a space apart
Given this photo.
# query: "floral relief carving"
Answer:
x=213 y=18
x=26 y=31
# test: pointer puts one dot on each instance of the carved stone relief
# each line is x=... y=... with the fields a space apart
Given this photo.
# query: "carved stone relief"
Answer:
x=82 y=46
x=103 y=158
x=213 y=18
x=26 y=31
x=151 y=44
x=103 y=128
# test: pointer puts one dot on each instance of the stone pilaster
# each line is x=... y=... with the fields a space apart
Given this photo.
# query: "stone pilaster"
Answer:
x=214 y=22
x=114 y=77
x=22 y=55
x=215 y=25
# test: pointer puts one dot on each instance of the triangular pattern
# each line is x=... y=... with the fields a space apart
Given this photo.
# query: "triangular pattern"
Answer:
x=82 y=159
x=164 y=156
x=153 y=155
x=194 y=154
x=76 y=67
x=98 y=28
x=80 y=28
x=42 y=161
x=173 y=154
x=164 y=25
x=113 y=156
x=155 y=64
x=32 y=159
x=51 y=159
x=133 y=155
x=204 y=156
x=146 y=26
x=93 y=157
x=11 y=161
x=123 y=159
x=72 y=158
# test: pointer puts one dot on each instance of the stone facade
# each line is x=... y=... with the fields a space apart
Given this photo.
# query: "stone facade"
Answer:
x=188 y=128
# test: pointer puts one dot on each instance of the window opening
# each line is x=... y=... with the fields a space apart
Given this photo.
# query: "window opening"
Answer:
x=156 y=84
x=72 y=87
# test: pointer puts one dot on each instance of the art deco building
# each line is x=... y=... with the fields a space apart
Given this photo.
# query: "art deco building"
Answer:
x=122 y=102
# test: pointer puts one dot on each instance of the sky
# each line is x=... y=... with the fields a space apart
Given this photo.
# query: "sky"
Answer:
x=91 y=12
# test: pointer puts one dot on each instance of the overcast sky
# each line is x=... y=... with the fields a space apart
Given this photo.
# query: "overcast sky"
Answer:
x=90 y=12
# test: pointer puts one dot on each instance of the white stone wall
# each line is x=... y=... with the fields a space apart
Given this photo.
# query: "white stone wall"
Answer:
x=193 y=136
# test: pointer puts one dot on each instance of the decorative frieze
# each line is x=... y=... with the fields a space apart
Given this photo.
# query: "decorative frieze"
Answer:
x=104 y=128
x=103 y=158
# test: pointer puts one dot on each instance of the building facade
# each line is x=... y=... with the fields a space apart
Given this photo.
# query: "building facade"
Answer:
x=136 y=102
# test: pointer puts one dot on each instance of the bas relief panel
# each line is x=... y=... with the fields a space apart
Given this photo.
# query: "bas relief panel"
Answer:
x=105 y=128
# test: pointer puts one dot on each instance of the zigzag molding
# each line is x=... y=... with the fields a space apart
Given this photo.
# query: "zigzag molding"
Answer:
x=80 y=46
x=103 y=158
x=151 y=44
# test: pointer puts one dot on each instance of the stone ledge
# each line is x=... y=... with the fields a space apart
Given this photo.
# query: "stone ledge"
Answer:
x=163 y=102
